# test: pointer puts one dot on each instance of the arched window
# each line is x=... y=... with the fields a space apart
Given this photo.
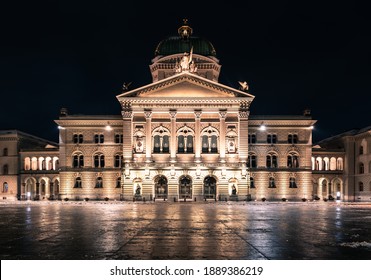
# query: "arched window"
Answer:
x=161 y=140
x=209 y=187
x=326 y=163
x=209 y=139
x=360 y=186
x=339 y=163
x=78 y=160
x=332 y=163
x=119 y=160
x=41 y=163
x=272 y=161
x=318 y=163
x=99 y=182
x=161 y=187
x=185 y=140
x=5 y=152
x=55 y=163
x=99 y=161
x=313 y=160
x=252 y=183
x=272 y=138
x=361 y=168
x=292 y=183
x=34 y=163
x=251 y=161
x=252 y=138
x=27 y=163
x=48 y=163
x=5 y=169
x=292 y=160
x=77 y=138
x=272 y=183
x=5 y=187
x=361 y=150
x=99 y=138
x=119 y=138
x=78 y=183
x=292 y=139
x=118 y=183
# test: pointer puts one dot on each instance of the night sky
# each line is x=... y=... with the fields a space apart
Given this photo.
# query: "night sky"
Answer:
x=77 y=54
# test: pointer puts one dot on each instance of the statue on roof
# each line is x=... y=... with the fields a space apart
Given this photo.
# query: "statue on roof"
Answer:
x=243 y=86
x=125 y=86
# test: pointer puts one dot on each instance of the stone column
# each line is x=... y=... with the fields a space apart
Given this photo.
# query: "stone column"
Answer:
x=148 y=114
x=173 y=147
x=197 y=144
x=222 y=115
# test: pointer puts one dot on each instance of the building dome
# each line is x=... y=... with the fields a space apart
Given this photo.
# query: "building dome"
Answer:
x=184 y=42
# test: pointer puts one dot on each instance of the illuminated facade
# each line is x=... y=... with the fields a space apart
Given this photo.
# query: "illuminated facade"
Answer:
x=187 y=137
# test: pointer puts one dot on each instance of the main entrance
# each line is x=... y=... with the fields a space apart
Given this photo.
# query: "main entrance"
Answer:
x=209 y=187
x=185 y=187
x=161 y=187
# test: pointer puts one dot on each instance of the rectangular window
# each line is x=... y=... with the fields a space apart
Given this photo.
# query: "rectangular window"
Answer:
x=119 y=138
x=251 y=138
x=98 y=138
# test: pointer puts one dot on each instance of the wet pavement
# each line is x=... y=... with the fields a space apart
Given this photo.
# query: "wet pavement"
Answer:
x=161 y=230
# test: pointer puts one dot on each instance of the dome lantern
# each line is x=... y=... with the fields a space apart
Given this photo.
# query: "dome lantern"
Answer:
x=185 y=30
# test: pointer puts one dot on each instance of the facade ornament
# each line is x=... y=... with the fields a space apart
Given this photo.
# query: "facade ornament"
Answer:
x=243 y=86
x=172 y=113
x=127 y=114
x=147 y=113
x=198 y=113
x=244 y=114
x=223 y=114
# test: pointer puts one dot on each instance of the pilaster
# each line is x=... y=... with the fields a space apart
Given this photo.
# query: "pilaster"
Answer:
x=222 y=116
x=148 y=114
x=173 y=135
x=197 y=135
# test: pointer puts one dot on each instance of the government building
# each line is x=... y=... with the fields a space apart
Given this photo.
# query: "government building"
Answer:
x=186 y=137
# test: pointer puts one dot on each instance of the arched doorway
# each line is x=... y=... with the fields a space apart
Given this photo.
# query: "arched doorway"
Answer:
x=338 y=188
x=185 y=187
x=209 y=187
x=161 y=188
x=323 y=186
x=30 y=188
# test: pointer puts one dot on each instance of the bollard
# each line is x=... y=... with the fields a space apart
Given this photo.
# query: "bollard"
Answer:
x=154 y=199
x=164 y=199
x=195 y=199
x=225 y=199
x=133 y=199
x=174 y=199
x=144 y=199
x=185 y=200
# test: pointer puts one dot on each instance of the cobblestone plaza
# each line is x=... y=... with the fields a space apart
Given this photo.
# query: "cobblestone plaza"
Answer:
x=185 y=230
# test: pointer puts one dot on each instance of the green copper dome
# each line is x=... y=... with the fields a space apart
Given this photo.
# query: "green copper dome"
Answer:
x=184 y=42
